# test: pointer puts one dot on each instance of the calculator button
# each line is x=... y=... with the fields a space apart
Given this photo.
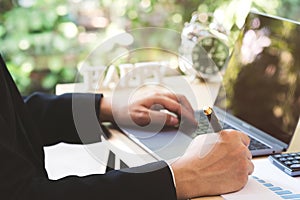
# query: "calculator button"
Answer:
x=293 y=154
x=295 y=166
x=277 y=156
x=282 y=159
x=285 y=155
x=297 y=157
x=288 y=162
x=295 y=161
x=290 y=158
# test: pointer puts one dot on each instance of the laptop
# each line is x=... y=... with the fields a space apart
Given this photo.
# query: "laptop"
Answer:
x=260 y=94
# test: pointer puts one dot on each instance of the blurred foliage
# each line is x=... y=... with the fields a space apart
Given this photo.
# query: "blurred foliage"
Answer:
x=43 y=41
x=38 y=53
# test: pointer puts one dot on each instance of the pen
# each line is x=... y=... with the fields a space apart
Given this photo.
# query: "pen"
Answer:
x=212 y=119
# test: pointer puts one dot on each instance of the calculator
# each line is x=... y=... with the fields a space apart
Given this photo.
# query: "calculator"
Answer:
x=288 y=162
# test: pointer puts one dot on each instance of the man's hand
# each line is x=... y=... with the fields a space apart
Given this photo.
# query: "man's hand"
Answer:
x=224 y=169
x=158 y=109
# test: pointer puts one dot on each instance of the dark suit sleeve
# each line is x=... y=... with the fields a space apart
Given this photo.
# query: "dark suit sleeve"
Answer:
x=20 y=180
x=22 y=172
x=54 y=116
x=114 y=185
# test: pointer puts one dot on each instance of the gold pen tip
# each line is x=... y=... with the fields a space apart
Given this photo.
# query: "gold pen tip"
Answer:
x=207 y=110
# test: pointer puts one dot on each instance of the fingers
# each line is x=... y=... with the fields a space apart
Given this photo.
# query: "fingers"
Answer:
x=158 y=117
x=162 y=101
x=248 y=154
x=143 y=116
x=182 y=100
x=245 y=139
x=234 y=133
x=251 y=167
x=187 y=116
x=237 y=136
x=172 y=102
x=177 y=104
x=249 y=162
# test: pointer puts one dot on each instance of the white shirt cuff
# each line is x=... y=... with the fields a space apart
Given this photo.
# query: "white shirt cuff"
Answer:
x=173 y=176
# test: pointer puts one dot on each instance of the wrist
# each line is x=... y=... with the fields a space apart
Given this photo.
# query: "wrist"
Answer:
x=191 y=180
x=182 y=179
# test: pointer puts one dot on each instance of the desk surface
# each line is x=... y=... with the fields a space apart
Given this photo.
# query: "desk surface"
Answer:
x=201 y=95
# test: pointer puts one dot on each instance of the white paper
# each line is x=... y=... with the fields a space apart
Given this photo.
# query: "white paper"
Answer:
x=266 y=171
x=253 y=190
x=73 y=159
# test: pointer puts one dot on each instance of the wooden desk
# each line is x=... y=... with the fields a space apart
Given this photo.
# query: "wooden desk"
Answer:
x=127 y=150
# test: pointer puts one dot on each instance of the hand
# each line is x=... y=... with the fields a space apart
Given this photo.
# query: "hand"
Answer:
x=224 y=169
x=150 y=110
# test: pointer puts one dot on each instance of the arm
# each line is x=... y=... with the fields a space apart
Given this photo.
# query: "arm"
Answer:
x=54 y=116
x=20 y=180
x=135 y=183
x=224 y=167
x=194 y=175
x=23 y=177
x=155 y=110
x=74 y=118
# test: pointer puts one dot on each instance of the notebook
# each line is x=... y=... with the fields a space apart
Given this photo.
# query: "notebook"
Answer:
x=260 y=94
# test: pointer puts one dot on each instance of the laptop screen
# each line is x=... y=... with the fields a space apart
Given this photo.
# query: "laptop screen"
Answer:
x=262 y=79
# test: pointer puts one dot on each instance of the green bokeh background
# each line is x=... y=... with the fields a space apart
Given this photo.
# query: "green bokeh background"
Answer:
x=43 y=41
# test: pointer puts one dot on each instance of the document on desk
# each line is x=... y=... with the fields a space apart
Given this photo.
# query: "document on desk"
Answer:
x=268 y=183
x=74 y=159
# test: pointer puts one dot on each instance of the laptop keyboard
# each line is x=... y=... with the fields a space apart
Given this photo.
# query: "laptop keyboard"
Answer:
x=204 y=128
